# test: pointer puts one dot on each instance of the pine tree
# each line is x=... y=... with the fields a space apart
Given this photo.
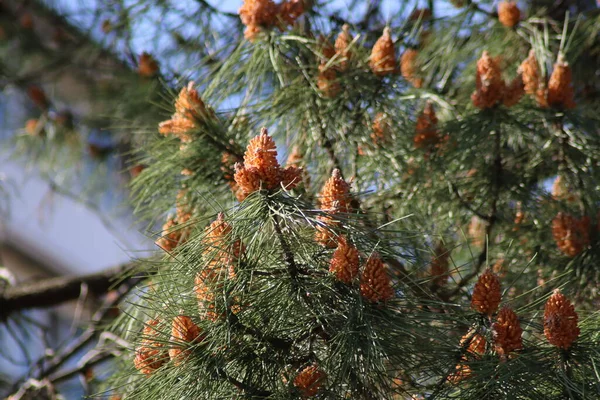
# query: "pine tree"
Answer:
x=411 y=246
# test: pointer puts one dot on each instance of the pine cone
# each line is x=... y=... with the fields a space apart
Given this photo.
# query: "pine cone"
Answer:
x=381 y=129
x=560 y=86
x=327 y=82
x=513 y=92
x=489 y=85
x=257 y=13
x=147 y=65
x=508 y=13
x=408 y=67
x=507 y=332
x=530 y=73
x=486 y=293
x=383 y=55
x=342 y=42
x=572 y=235
x=375 y=284
x=474 y=344
x=326 y=49
x=560 y=321
x=426 y=135
x=183 y=332
x=261 y=168
x=439 y=266
x=290 y=10
x=344 y=263
x=560 y=190
x=325 y=235
x=335 y=196
x=150 y=355
x=310 y=380
x=172 y=235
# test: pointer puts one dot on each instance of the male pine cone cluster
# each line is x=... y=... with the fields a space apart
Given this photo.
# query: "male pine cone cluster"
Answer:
x=490 y=87
x=257 y=15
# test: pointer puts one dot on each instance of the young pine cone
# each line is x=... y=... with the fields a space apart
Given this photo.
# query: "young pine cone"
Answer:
x=439 y=266
x=345 y=262
x=489 y=85
x=342 y=42
x=327 y=82
x=335 y=195
x=375 y=284
x=530 y=73
x=508 y=13
x=184 y=331
x=383 y=55
x=150 y=354
x=147 y=65
x=261 y=169
x=572 y=235
x=408 y=67
x=474 y=346
x=381 y=129
x=310 y=380
x=325 y=234
x=486 y=293
x=173 y=235
x=560 y=86
x=560 y=321
x=256 y=14
x=507 y=332
x=426 y=135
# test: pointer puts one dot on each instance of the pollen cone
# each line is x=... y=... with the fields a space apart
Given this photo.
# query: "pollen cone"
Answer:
x=375 y=284
x=489 y=85
x=150 y=354
x=507 y=332
x=486 y=293
x=560 y=321
x=183 y=332
x=383 y=55
x=344 y=263
x=309 y=380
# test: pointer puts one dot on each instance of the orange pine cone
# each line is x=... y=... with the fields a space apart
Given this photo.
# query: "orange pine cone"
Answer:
x=327 y=51
x=290 y=10
x=335 y=196
x=560 y=85
x=408 y=67
x=150 y=355
x=560 y=190
x=513 y=92
x=183 y=332
x=530 y=73
x=310 y=380
x=383 y=55
x=172 y=235
x=342 y=42
x=381 y=129
x=486 y=293
x=256 y=13
x=327 y=82
x=560 y=321
x=375 y=284
x=439 y=266
x=489 y=85
x=508 y=13
x=344 y=263
x=325 y=235
x=474 y=344
x=507 y=332
x=426 y=135
x=572 y=235
x=147 y=65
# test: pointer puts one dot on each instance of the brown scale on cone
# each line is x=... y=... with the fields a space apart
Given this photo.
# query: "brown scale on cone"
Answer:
x=222 y=258
x=489 y=85
x=183 y=332
x=381 y=129
x=507 y=332
x=383 y=55
x=309 y=380
x=342 y=43
x=375 y=284
x=150 y=354
x=439 y=266
x=530 y=73
x=513 y=92
x=327 y=82
x=344 y=262
x=560 y=86
x=572 y=235
x=560 y=321
x=486 y=293
x=426 y=133
x=261 y=169
x=408 y=67
x=147 y=65
x=508 y=13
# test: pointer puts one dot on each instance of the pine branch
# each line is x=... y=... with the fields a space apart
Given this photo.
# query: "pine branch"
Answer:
x=54 y=291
